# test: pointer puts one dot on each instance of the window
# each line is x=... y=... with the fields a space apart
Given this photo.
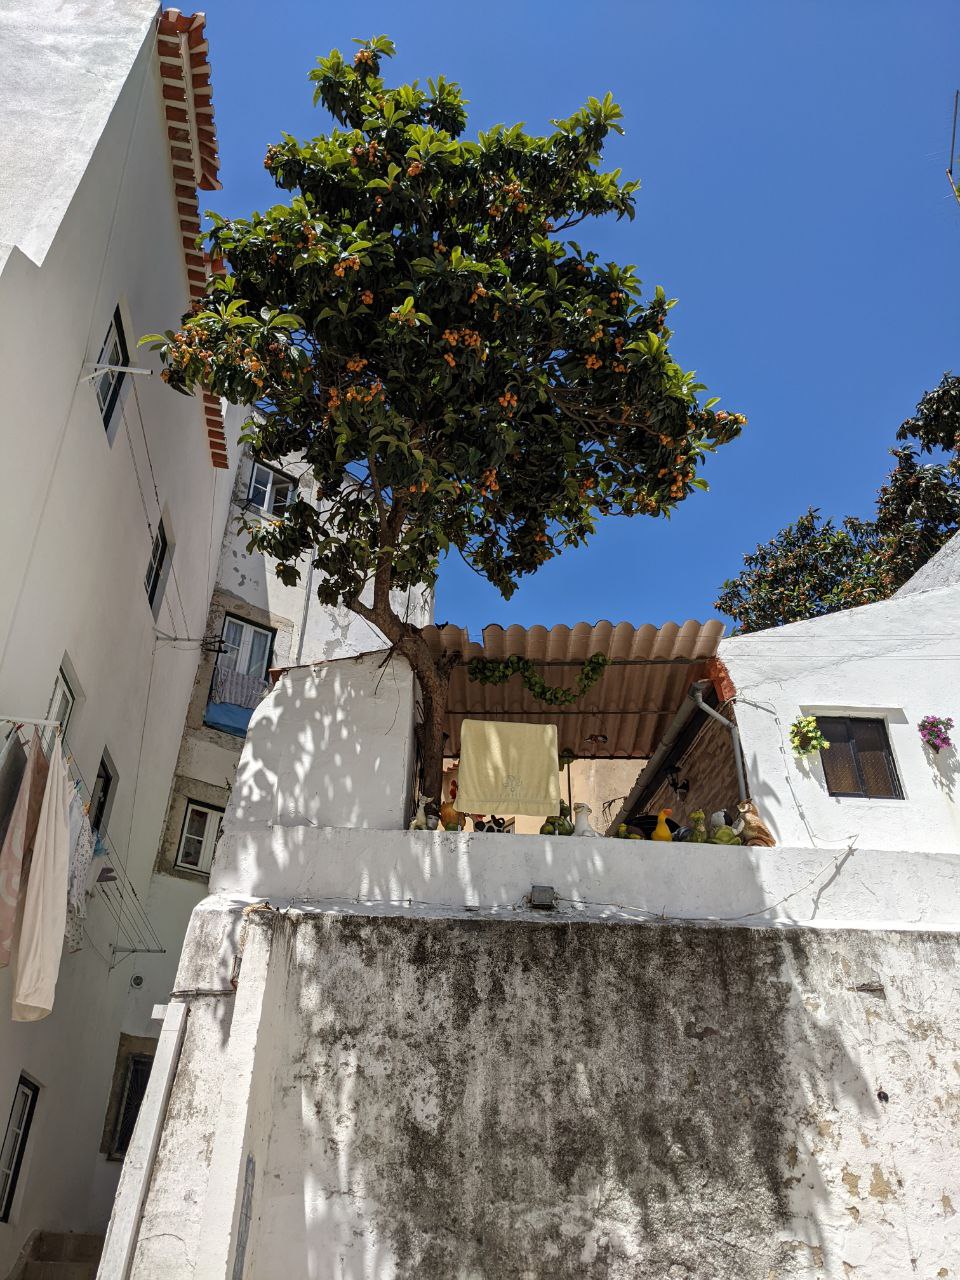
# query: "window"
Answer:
x=108 y=383
x=134 y=1087
x=269 y=490
x=62 y=701
x=101 y=795
x=156 y=570
x=15 y=1142
x=859 y=761
x=244 y=648
x=240 y=676
x=201 y=826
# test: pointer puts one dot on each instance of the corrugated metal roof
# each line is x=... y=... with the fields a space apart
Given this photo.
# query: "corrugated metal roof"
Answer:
x=632 y=702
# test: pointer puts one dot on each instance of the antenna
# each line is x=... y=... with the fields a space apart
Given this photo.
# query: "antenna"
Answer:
x=954 y=187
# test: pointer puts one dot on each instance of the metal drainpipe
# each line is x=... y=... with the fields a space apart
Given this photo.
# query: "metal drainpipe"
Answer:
x=684 y=712
x=697 y=696
x=306 y=610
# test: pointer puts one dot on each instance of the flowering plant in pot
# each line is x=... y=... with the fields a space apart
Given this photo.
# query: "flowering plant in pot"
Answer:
x=935 y=732
x=806 y=737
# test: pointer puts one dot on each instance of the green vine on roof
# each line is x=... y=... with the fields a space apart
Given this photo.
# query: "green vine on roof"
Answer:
x=499 y=671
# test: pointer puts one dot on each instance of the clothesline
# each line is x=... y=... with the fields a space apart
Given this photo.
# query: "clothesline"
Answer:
x=117 y=894
x=40 y=724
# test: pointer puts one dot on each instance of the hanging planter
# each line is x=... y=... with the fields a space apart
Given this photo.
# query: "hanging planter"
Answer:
x=805 y=736
x=935 y=732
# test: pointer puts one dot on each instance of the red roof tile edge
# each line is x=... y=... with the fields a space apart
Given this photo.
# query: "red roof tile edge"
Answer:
x=185 y=75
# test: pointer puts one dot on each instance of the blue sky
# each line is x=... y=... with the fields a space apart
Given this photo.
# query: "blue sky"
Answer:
x=794 y=200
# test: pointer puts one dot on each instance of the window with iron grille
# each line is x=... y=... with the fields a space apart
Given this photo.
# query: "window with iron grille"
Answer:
x=134 y=1087
x=156 y=569
x=109 y=382
x=859 y=761
x=15 y=1142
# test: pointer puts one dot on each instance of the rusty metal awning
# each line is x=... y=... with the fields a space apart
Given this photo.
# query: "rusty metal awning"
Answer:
x=631 y=704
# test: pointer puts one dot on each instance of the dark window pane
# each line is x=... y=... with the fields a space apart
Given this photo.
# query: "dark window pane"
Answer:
x=840 y=768
x=138 y=1073
x=859 y=761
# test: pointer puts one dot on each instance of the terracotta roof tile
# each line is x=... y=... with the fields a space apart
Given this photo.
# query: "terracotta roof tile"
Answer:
x=182 y=54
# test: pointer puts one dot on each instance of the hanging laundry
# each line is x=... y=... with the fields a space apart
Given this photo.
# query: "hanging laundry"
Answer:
x=45 y=899
x=81 y=856
x=13 y=759
x=508 y=768
x=18 y=842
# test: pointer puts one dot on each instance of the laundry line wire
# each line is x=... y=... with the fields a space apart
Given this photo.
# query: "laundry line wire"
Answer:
x=119 y=896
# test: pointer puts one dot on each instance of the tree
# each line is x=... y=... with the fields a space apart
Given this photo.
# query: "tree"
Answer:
x=813 y=567
x=412 y=324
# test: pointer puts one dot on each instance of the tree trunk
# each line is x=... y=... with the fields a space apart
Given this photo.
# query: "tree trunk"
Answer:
x=434 y=685
x=433 y=674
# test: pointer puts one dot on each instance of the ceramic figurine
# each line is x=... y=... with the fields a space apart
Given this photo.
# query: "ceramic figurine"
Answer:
x=721 y=832
x=661 y=831
x=419 y=822
x=582 y=825
x=452 y=820
x=755 y=831
x=698 y=825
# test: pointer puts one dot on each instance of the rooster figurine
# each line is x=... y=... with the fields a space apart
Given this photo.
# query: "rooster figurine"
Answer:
x=450 y=818
x=754 y=831
x=661 y=831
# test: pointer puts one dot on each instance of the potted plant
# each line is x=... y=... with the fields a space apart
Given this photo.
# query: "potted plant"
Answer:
x=935 y=732
x=805 y=736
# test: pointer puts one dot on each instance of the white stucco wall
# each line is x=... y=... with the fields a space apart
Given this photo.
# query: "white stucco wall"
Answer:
x=63 y=68
x=899 y=661
x=330 y=745
x=89 y=163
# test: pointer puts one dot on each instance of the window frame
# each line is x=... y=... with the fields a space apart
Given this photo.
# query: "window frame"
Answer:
x=246 y=643
x=894 y=772
x=101 y=802
x=274 y=480
x=208 y=842
x=108 y=403
x=154 y=580
x=133 y=1059
x=32 y=1091
x=61 y=686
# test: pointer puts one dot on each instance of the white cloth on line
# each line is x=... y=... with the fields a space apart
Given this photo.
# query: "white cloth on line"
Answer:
x=81 y=856
x=18 y=843
x=508 y=768
x=45 y=899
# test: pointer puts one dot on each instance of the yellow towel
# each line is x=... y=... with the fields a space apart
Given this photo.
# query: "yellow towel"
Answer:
x=508 y=768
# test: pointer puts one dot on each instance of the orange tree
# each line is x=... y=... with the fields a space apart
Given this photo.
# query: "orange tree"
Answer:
x=413 y=324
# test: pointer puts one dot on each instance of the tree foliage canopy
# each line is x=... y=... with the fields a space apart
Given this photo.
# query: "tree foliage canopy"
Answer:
x=813 y=566
x=414 y=325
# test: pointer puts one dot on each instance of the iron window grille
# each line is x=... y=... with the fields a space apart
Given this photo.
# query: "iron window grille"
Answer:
x=859 y=761
x=109 y=383
x=15 y=1142
x=134 y=1088
x=153 y=578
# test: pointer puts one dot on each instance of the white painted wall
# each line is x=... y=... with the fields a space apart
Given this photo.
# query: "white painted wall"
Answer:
x=86 y=157
x=898 y=660
x=330 y=746
x=603 y=878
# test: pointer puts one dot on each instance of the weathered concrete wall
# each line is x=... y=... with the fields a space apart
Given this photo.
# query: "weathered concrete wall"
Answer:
x=479 y=1098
